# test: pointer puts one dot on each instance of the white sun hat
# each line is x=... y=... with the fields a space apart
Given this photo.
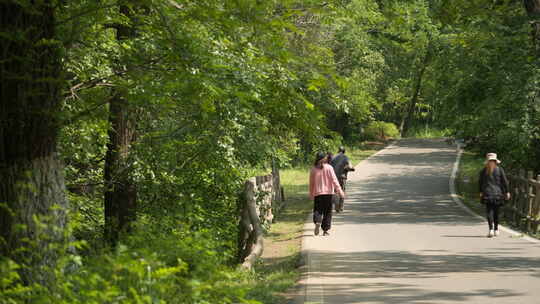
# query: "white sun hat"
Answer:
x=492 y=156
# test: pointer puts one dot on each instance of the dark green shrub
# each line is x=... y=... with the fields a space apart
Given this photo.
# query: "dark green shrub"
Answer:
x=178 y=268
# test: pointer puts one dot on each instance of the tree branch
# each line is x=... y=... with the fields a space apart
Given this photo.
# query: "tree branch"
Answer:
x=95 y=9
x=85 y=112
x=176 y=5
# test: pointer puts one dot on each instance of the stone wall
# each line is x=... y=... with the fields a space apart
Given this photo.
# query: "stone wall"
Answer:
x=261 y=199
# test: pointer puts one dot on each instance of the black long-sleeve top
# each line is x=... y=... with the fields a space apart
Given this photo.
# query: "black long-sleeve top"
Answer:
x=493 y=186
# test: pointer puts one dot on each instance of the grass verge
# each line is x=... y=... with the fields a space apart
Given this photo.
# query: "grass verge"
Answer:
x=278 y=269
x=467 y=181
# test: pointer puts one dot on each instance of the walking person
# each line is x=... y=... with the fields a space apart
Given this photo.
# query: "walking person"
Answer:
x=341 y=165
x=493 y=186
x=322 y=186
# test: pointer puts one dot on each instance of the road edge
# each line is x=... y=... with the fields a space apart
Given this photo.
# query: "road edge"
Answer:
x=306 y=262
x=459 y=202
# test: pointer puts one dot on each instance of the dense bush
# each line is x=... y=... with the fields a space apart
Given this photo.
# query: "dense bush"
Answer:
x=180 y=267
x=380 y=130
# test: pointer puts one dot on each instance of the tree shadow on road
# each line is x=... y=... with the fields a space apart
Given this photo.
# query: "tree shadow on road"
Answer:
x=403 y=264
x=415 y=190
x=390 y=265
x=411 y=199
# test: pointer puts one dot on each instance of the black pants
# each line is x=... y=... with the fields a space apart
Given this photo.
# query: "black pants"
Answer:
x=322 y=211
x=342 y=182
x=492 y=212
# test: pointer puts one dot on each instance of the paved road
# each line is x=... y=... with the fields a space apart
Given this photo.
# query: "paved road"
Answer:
x=403 y=240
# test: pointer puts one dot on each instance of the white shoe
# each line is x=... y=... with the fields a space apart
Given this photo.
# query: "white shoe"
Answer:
x=496 y=233
x=317 y=227
x=490 y=234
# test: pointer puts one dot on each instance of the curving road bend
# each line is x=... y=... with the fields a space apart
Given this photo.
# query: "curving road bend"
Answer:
x=403 y=240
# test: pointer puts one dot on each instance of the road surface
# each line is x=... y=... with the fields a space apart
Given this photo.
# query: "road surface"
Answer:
x=403 y=240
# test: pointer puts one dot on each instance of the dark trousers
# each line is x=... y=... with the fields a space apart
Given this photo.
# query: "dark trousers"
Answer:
x=322 y=211
x=492 y=212
x=342 y=182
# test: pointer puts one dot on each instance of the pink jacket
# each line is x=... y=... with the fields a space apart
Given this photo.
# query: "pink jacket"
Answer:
x=323 y=181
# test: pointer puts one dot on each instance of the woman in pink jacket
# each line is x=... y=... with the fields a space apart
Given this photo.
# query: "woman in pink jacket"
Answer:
x=323 y=183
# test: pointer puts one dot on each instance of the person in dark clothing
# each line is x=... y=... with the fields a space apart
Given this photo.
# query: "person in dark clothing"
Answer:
x=342 y=166
x=493 y=187
x=322 y=186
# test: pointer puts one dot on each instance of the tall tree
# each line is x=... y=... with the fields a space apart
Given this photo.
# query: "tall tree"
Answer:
x=533 y=118
x=533 y=10
x=32 y=198
x=407 y=118
x=121 y=192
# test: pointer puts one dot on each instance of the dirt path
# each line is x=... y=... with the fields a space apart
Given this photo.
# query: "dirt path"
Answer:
x=403 y=240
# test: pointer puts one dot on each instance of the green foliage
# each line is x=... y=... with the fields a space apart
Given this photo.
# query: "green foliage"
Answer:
x=380 y=130
x=482 y=88
x=268 y=283
x=151 y=269
x=221 y=88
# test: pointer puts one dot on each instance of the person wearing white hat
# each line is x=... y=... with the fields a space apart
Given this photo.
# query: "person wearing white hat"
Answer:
x=493 y=186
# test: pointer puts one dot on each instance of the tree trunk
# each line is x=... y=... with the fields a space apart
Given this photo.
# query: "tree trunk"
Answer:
x=408 y=115
x=32 y=189
x=533 y=10
x=532 y=7
x=121 y=194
